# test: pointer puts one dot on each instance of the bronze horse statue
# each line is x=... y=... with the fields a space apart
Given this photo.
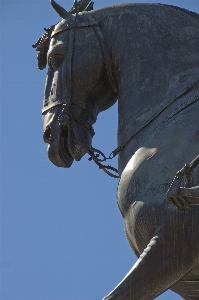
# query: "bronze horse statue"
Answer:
x=147 y=57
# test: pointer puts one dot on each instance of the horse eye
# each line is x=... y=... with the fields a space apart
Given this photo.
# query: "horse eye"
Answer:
x=55 y=61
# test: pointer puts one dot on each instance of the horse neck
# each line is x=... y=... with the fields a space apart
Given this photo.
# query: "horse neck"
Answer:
x=129 y=74
x=143 y=66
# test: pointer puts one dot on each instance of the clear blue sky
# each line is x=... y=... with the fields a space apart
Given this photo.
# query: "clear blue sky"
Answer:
x=62 y=234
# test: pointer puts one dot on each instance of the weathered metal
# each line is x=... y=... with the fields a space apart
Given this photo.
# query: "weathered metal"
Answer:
x=146 y=56
x=182 y=197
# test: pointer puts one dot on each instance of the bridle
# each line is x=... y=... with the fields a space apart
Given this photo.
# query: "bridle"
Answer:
x=66 y=117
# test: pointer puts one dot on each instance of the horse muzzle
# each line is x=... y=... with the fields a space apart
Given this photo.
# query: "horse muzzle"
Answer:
x=57 y=149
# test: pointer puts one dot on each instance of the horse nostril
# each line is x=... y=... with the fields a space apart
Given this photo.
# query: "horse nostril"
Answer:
x=47 y=136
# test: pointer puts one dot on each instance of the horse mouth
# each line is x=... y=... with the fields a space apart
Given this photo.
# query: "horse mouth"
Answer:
x=57 y=150
x=65 y=153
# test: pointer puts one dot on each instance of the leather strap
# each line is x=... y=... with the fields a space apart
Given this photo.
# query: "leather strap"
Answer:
x=106 y=54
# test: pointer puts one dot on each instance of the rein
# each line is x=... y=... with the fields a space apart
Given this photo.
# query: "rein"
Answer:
x=115 y=152
x=66 y=117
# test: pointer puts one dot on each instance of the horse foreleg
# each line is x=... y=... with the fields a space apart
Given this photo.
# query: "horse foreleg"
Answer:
x=164 y=261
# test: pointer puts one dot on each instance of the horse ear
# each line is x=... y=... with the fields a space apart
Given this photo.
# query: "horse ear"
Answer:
x=60 y=10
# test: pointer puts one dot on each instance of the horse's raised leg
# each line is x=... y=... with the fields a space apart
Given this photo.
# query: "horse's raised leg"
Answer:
x=166 y=239
x=164 y=261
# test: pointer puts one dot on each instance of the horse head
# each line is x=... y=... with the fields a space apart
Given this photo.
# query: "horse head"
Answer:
x=77 y=85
